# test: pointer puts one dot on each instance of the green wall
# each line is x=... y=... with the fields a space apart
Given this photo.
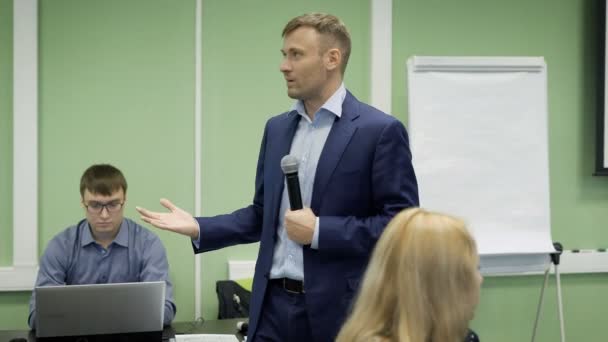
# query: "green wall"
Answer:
x=116 y=85
x=565 y=33
x=6 y=131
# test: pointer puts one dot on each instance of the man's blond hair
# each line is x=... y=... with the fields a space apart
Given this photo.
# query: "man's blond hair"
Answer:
x=330 y=27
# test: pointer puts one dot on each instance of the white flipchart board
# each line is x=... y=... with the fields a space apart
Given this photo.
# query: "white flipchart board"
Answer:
x=478 y=134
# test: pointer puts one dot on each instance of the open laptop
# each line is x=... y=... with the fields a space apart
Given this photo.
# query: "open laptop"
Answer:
x=136 y=309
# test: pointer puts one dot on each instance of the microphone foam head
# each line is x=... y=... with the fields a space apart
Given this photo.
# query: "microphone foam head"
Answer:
x=289 y=164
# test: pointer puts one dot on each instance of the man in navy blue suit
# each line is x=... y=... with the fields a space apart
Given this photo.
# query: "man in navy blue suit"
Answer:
x=355 y=173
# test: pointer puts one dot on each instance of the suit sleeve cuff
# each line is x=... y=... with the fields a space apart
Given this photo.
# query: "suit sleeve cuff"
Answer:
x=196 y=242
x=315 y=237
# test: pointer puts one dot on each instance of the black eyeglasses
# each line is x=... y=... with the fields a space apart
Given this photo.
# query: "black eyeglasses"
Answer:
x=97 y=207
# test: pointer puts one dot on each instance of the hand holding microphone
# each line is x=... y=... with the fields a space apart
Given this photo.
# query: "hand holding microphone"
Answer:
x=299 y=221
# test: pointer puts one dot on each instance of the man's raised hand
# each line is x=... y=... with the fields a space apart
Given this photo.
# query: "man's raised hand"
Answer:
x=176 y=220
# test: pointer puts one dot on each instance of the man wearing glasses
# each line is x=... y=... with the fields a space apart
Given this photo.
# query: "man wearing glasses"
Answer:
x=105 y=247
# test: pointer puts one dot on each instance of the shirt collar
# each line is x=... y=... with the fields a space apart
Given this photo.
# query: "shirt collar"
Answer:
x=122 y=238
x=332 y=105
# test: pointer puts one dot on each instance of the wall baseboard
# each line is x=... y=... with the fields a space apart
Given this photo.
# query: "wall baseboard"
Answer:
x=584 y=261
x=241 y=269
x=18 y=278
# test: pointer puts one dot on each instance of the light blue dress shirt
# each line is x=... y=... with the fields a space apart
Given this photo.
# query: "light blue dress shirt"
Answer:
x=73 y=257
x=307 y=145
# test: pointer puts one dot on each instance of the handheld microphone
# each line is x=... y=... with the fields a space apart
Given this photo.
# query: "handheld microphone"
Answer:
x=289 y=165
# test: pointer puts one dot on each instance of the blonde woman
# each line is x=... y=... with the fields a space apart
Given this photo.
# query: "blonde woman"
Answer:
x=421 y=285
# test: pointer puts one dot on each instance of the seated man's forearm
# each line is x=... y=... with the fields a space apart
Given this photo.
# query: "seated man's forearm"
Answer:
x=169 y=313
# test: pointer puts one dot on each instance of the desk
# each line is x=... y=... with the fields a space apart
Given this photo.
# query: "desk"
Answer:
x=222 y=326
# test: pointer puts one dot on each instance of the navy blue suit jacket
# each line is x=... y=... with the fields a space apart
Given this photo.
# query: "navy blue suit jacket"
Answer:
x=364 y=177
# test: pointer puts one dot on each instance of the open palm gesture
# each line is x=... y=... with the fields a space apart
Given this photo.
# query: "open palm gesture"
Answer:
x=176 y=220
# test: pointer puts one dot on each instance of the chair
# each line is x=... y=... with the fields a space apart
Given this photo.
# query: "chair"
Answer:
x=233 y=299
x=471 y=336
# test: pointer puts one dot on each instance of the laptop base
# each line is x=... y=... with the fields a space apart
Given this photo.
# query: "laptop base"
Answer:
x=151 y=336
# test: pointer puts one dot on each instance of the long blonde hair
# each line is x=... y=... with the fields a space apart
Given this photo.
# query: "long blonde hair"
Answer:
x=421 y=283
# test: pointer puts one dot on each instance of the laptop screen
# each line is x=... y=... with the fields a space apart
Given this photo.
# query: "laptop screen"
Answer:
x=76 y=310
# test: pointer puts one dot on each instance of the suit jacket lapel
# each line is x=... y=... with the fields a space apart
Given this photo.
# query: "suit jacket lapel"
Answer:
x=281 y=147
x=339 y=136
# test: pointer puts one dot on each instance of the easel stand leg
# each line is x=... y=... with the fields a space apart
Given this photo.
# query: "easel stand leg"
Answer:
x=560 y=310
x=560 y=307
x=540 y=303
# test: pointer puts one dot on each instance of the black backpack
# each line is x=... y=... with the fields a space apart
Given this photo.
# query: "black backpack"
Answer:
x=233 y=299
